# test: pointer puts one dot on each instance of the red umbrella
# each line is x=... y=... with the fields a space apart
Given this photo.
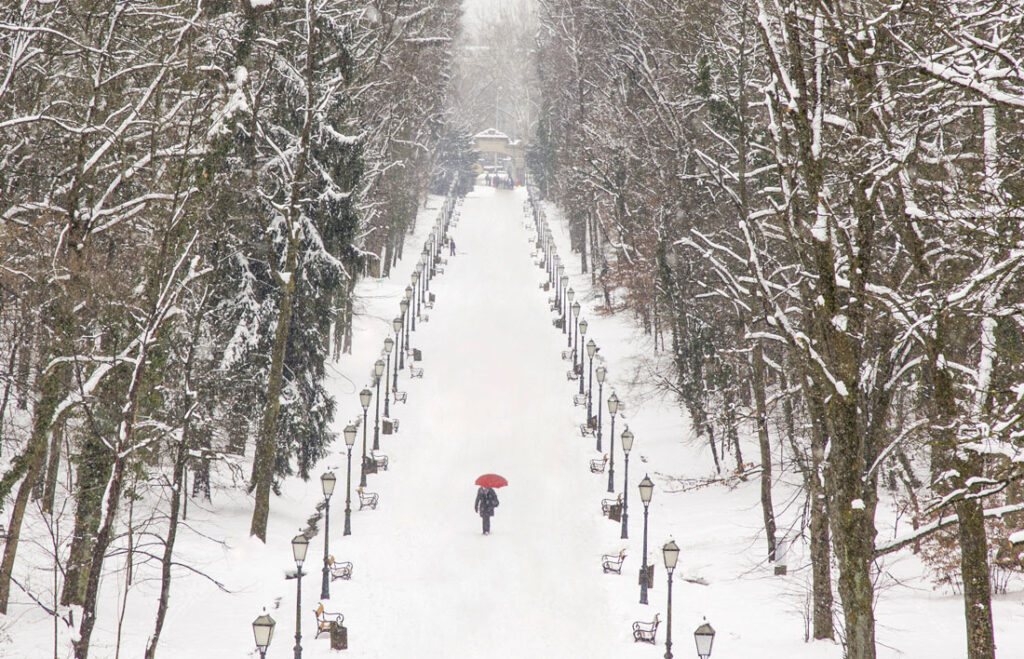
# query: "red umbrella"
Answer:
x=491 y=480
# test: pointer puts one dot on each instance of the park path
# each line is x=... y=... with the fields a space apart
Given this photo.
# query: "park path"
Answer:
x=494 y=398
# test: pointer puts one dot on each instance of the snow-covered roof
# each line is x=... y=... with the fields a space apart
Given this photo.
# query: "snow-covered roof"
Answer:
x=491 y=133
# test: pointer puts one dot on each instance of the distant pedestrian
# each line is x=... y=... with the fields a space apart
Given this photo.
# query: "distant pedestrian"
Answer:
x=451 y=247
x=486 y=502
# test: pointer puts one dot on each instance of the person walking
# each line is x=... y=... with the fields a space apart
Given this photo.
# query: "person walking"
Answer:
x=486 y=502
x=451 y=247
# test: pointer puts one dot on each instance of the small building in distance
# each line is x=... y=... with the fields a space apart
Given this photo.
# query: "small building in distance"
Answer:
x=496 y=150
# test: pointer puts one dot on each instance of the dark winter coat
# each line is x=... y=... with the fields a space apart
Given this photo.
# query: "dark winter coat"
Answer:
x=486 y=501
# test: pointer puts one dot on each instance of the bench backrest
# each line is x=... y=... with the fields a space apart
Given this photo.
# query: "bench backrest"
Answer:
x=319 y=610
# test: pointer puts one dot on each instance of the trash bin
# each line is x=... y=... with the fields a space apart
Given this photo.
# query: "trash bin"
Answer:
x=369 y=466
x=417 y=355
x=650 y=576
x=339 y=636
x=387 y=427
x=615 y=512
x=432 y=298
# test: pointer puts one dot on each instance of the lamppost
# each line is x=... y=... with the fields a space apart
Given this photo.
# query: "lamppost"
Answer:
x=389 y=345
x=575 y=339
x=627 y=446
x=560 y=281
x=601 y=373
x=704 y=637
x=583 y=325
x=263 y=630
x=565 y=289
x=327 y=482
x=671 y=553
x=569 y=295
x=378 y=371
x=404 y=306
x=396 y=325
x=300 y=544
x=591 y=350
x=428 y=270
x=350 y=440
x=646 y=490
x=364 y=399
x=410 y=294
x=613 y=407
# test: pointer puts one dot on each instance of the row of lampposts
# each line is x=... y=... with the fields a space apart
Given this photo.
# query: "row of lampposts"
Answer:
x=568 y=308
x=410 y=305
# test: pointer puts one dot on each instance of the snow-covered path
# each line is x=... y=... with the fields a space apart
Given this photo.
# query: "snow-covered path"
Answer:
x=494 y=398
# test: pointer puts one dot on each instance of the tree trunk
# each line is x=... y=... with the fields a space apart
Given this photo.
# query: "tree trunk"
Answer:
x=33 y=460
x=761 y=414
x=94 y=461
x=53 y=467
x=974 y=569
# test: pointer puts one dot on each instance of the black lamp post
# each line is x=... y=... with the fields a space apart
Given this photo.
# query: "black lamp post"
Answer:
x=671 y=554
x=263 y=630
x=627 y=446
x=404 y=306
x=389 y=345
x=410 y=294
x=646 y=490
x=300 y=544
x=591 y=350
x=704 y=637
x=560 y=281
x=378 y=371
x=364 y=399
x=575 y=339
x=350 y=440
x=601 y=373
x=428 y=270
x=583 y=325
x=327 y=482
x=396 y=325
x=569 y=295
x=565 y=290
x=613 y=407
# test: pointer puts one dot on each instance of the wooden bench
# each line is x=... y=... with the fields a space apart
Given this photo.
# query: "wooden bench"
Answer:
x=613 y=562
x=380 y=459
x=606 y=504
x=579 y=400
x=399 y=396
x=324 y=620
x=567 y=355
x=597 y=466
x=571 y=375
x=415 y=372
x=339 y=570
x=587 y=430
x=368 y=499
x=644 y=632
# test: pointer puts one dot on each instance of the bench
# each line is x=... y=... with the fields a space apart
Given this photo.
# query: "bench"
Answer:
x=606 y=504
x=571 y=374
x=380 y=459
x=368 y=499
x=339 y=570
x=324 y=620
x=428 y=305
x=613 y=562
x=579 y=400
x=644 y=631
x=567 y=355
x=597 y=466
x=587 y=430
x=398 y=396
x=415 y=372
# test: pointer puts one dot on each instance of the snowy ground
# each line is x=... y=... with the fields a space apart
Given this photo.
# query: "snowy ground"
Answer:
x=427 y=584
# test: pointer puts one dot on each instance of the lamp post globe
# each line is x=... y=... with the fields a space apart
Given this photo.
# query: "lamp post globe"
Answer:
x=601 y=373
x=613 y=407
x=327 y=483
x=671 y=554
x=646 y=490
x=627 y=446
x=350 y=440
x=378 y=371
x=263 y=631
x=300 y=544
x=704 y=637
